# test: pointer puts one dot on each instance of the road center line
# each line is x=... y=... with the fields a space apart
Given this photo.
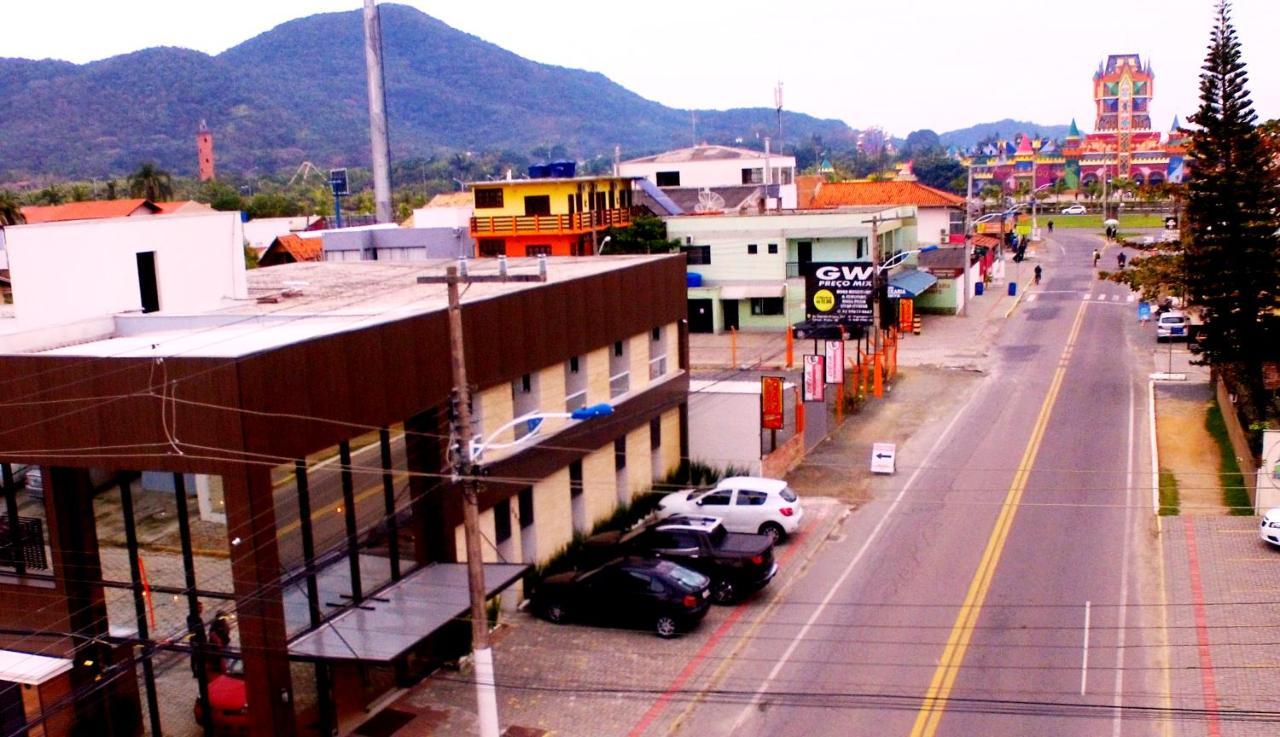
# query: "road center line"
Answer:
x=751 y=707
x=1084 y=658
x=934 y=703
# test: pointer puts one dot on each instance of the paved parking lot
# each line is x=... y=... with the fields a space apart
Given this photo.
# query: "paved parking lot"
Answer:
x=576 y=680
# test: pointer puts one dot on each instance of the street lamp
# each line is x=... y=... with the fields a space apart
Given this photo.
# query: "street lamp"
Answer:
x=534 y=422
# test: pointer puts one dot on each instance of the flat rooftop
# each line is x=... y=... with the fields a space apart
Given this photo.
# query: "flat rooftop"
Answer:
x=296 y=302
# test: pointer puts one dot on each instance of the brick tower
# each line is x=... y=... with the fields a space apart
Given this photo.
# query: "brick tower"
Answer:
x=204 y=148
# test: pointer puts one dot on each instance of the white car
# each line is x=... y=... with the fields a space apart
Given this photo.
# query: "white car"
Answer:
x=1075 y=210
x=744 y=503
x=1270 y=530
x=1171 y=325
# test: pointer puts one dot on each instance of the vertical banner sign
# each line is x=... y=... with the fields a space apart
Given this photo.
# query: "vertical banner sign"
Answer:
x=835 y=361
x=815 y=379
x=771 y=403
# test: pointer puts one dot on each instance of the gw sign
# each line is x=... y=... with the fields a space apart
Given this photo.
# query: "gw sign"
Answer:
x=839 y=292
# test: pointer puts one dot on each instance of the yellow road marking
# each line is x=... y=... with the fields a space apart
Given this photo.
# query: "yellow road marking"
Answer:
x=944 y=677
x=1166 y=698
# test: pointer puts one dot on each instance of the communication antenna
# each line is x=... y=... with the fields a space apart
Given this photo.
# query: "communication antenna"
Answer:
x=709 y=201
x=777 y=105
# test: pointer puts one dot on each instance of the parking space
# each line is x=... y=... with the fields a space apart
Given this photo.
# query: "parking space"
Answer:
x=595 y=681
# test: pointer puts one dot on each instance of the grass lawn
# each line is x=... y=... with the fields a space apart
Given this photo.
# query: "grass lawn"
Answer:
x=1168 y=493
x=1094 y=220
x=1234 y=494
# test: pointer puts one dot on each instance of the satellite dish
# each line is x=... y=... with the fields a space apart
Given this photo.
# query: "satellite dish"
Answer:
x=709 y=201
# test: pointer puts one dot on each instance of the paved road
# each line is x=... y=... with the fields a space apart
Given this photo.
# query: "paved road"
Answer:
x=956 y=603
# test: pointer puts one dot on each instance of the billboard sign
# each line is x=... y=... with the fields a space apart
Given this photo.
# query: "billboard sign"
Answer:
x=338 y=182
x=771 y=403
x=839 y=292
x=835 y=361
x=815 y=376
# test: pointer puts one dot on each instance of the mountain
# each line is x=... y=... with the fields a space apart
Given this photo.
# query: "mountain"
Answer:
x=297 y=92
x=1004 y=130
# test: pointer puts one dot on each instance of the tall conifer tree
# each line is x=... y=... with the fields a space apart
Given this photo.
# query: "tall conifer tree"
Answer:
x=1232 y=257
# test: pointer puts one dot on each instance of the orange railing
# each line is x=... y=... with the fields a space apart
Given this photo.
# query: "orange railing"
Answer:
x=551 y=224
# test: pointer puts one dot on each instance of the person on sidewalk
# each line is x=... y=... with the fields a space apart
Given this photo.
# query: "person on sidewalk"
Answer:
x=1051 y=227
x=1097 y=256
x=1120 y=259
x=1039 y=272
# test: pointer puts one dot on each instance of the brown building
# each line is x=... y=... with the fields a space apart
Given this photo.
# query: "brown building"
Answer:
x=295 y=475
x=204 y=150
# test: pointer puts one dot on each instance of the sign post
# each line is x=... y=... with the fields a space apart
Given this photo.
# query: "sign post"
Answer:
x=882 y=457
x=338 y=185
x=815 y=378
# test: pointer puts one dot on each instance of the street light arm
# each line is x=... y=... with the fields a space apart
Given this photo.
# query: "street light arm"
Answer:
x=902 y=256
x=479 y=446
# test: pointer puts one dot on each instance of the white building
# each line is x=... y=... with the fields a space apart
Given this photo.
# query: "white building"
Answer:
x=708 y=166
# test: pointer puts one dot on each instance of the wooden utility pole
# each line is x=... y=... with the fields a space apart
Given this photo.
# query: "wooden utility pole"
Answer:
x=466 y=470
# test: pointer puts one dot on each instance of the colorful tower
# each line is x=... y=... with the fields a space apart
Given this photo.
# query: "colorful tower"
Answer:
x=1071 y=155
x=1122 y=90
x=204 y=150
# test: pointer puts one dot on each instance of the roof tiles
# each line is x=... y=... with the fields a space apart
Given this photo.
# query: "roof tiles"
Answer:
x=846 y=194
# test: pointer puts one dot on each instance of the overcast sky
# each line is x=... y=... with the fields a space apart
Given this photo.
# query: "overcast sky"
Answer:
x=902 y=65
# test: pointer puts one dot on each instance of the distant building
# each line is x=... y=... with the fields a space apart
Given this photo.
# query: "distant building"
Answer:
x=1123 y=143
x=89 y=210
x=292 y=248
x=708 y=166
x=940 y=215
x=445 y=210
x=204 y=150
x=548 y=216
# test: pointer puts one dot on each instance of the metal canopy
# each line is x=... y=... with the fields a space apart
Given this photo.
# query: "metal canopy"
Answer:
x=914 y=283
x=401 y=615
x=762 y=290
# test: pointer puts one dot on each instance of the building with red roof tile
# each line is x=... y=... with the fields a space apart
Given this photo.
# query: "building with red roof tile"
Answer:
x=940 y=214
x=292 y=248
x=90 y=210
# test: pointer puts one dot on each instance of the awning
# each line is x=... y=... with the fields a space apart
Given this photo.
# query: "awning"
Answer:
x=400 y=616
x=30 y=670
x=761 y=290
x=913 y=282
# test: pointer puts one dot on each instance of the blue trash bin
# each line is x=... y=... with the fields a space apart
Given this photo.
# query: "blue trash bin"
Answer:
x=979 y=288
x=1013 y=289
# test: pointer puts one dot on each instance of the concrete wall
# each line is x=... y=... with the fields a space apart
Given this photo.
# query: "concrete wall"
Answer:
x=64 y=272
x=670 y=450
x=443 y=217
x=717 y=173
x=724 y=429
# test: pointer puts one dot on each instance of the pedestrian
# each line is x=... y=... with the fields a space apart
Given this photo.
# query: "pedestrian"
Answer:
x=1050 y=226
x=219 y=640
x=1096 y=256
x=1039 y=273
x=1120 y=259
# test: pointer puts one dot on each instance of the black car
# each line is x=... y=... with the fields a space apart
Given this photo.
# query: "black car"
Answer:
x=629 y=592
x=737 y=563
x=808 y=329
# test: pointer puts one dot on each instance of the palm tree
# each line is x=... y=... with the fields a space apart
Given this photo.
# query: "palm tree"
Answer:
x=991 y=192
x=151 y=182
x=10 y=210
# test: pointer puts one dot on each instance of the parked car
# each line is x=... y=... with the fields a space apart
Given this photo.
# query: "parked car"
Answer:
x=738 y=564
x=806 y=330
x=1270 y=530
x=743 y=504
x=1171 y=325
x=227 y=693
x=632 y=591
x=1075 y=210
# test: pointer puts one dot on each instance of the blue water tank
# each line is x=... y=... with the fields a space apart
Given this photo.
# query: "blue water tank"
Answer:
x=539 y=171
x=1013 y=289
x=978 y=288
x=693 y=279
x=563 y=169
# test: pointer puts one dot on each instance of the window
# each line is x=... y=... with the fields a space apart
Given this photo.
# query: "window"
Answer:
x=657 y=354
x=656 y=334
x=619 y=369
x=502 y=521
x=524 y=400
x=747 y=498
x=539 y=204
x=573 y=365
x=752 y=249
x=492 y=247
x=575 y=384
x=716 y=498
x=577 y=502
x=575 y=479
x=148 y=291
x=526 y=507
x=537 y=250
x=697 y=255
x=620 y=454
x=617 y=348
x=753 y=176
x=668 y=179
x=526 y=383
x=766 y=306
x=488 y=197
x=655 y=433
x=773 y=248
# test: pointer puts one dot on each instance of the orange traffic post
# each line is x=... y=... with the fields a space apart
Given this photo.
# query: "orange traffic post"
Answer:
x=878 y=378
x=799 y=412
x=790 y=349
x=840 y=400
x=733 y=347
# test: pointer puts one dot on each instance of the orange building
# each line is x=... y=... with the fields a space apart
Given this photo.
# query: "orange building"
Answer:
x=548 y=216
x=204 y=149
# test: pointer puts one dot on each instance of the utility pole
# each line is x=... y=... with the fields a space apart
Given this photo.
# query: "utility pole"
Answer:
x=968 y=237
x=381 y=148
x=466 y=471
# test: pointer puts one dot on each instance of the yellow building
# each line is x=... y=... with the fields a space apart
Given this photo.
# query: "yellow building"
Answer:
x=552 y=216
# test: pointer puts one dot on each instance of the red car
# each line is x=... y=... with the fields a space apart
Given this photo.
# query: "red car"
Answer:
x=230 y=702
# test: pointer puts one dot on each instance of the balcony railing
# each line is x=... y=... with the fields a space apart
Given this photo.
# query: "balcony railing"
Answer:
x=578 y=222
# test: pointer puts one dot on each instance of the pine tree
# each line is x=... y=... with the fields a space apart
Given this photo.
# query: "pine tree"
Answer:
x=1232 y=257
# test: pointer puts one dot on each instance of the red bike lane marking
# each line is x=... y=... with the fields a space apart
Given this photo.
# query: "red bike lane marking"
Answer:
x=686 y=673
x=1207 y=684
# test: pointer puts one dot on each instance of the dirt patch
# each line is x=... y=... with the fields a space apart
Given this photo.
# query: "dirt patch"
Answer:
x=1187 y=449
x=839 y=466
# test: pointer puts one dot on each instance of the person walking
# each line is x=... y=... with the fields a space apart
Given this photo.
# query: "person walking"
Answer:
x=1097 y=255
x=1120 y=259
x=1050 y=226
x=1039 y=273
